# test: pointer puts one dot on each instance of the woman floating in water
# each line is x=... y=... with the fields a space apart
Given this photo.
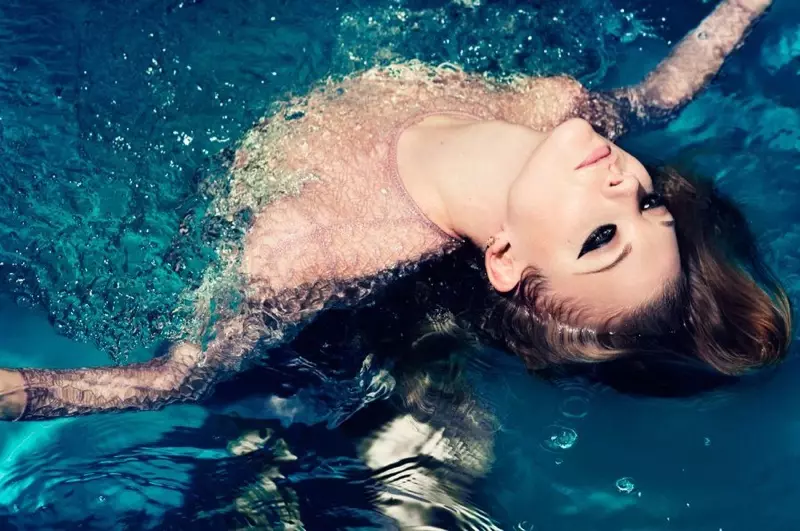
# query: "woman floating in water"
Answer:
x=591 y=256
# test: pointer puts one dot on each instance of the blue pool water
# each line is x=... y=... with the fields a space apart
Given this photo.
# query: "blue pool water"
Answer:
x=113 y=115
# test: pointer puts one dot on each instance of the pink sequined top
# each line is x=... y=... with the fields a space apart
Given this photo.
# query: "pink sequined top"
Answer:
x=350 y=215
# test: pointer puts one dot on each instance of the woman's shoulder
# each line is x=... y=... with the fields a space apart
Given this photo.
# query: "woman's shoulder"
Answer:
x=545 y=102
x=392 y=92
x=406 y=87
x=409 y=87
x=537 y=102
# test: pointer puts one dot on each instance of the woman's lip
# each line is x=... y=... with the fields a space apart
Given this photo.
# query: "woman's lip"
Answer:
x=595 y=156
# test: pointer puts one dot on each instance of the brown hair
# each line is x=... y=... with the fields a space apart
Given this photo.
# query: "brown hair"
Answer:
x=726 y=308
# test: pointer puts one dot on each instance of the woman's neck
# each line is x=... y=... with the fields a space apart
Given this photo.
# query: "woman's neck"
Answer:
x=459 y=170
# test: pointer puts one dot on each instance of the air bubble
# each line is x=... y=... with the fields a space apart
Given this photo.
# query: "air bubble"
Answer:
x=625 y=485
x=575 y=407
x=560 y=438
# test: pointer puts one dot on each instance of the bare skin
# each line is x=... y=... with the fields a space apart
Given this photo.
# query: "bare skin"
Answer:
x=519 y=174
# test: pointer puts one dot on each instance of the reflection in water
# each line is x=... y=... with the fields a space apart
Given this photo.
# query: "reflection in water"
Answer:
x=409 y=466
x=425 y=474
x=401 y=474
x=265 y=503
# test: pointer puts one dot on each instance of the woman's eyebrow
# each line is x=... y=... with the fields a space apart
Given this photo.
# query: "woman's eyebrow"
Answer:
x=622 y=256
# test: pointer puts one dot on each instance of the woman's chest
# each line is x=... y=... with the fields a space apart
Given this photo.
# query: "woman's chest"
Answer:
x=336 y=230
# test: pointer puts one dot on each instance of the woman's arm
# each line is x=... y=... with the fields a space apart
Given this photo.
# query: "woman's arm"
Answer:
x=141 y=386
x=186 y=373
x=690 y=66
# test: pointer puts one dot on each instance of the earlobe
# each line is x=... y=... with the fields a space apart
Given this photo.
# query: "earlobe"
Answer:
x=501 y=267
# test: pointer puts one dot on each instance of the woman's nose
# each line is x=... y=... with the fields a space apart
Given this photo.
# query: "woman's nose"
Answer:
x=619 y=184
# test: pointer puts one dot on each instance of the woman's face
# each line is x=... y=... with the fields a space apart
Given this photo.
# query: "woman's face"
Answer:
x=583 y=212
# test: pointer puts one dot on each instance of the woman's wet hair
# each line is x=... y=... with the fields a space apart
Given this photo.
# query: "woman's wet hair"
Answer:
x=726 y=308
x=725 y=315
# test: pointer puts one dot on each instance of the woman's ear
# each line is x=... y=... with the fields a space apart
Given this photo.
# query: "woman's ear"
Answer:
x=503 y=271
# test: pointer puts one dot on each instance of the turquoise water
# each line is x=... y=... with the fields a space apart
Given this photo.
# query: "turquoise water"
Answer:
x=113 y=116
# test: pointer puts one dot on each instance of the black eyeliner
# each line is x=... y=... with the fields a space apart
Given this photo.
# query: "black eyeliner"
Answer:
x=599 y=237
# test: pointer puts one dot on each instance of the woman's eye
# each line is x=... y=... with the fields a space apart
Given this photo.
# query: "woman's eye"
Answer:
x=600 y=237
x=651 y=201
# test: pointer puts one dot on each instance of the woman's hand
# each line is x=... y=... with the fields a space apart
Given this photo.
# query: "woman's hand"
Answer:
x=12 y=395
